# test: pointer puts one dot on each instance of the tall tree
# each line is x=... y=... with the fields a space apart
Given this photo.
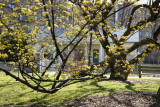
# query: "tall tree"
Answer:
x=83 y=21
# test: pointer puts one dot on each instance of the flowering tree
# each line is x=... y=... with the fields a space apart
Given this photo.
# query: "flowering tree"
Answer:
x=82 y=23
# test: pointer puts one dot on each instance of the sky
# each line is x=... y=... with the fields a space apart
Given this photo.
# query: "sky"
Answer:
x=143 y=1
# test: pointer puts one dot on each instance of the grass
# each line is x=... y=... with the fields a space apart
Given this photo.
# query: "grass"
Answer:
x=14 y=93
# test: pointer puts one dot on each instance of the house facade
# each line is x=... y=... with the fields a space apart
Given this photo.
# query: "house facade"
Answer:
x=82 y=50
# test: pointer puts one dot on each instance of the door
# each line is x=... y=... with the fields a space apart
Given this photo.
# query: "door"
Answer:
x=95 y=55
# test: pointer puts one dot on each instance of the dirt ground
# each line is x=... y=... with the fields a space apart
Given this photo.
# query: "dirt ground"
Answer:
x=128 y=99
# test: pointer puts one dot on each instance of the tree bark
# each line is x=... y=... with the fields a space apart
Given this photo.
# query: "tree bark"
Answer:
x=122 y=75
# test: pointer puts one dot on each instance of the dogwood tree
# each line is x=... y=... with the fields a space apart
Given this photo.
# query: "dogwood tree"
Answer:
x=83 y=21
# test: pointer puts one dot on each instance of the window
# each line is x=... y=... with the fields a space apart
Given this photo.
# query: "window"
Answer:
x=140 y=34
x=126 y=24
x=120 y=14
x=58 y=9
x=28 y=7
x=36 y=17
x=147 y=34
x=11 y=6
x=59 y=17
x=147 y=14
x=113 y=23
x=42 y=27
x=20 y=17
x=48 y=55
x=134 y=14
x=11 y=27
x=28 y=28
x=79 y=55
x=20 y=26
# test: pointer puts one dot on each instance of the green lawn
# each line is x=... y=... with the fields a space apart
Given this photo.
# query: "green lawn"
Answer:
x=15 y=93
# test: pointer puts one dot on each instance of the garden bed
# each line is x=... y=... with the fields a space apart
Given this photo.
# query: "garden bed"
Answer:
x=127 y=99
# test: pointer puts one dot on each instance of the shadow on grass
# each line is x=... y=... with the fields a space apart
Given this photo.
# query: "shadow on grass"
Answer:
x=95 y=83
x=7 y=83
x=41 y=100
x=34 y=101
x=83 y=90
x=23 y=94
x=130 y=87
x=95 y=88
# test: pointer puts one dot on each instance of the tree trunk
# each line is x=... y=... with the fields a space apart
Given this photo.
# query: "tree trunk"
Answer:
x=158 y=93
x=119 y=75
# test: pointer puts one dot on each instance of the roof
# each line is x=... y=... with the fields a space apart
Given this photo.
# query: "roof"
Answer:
x=59 y=31
x=134 y=37
x=46 y=32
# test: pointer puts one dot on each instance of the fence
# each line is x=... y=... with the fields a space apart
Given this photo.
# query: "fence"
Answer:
x=148 y=69
x=6 y=66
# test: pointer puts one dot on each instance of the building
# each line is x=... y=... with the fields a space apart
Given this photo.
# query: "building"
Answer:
x=82 y=50
x=147 y=32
